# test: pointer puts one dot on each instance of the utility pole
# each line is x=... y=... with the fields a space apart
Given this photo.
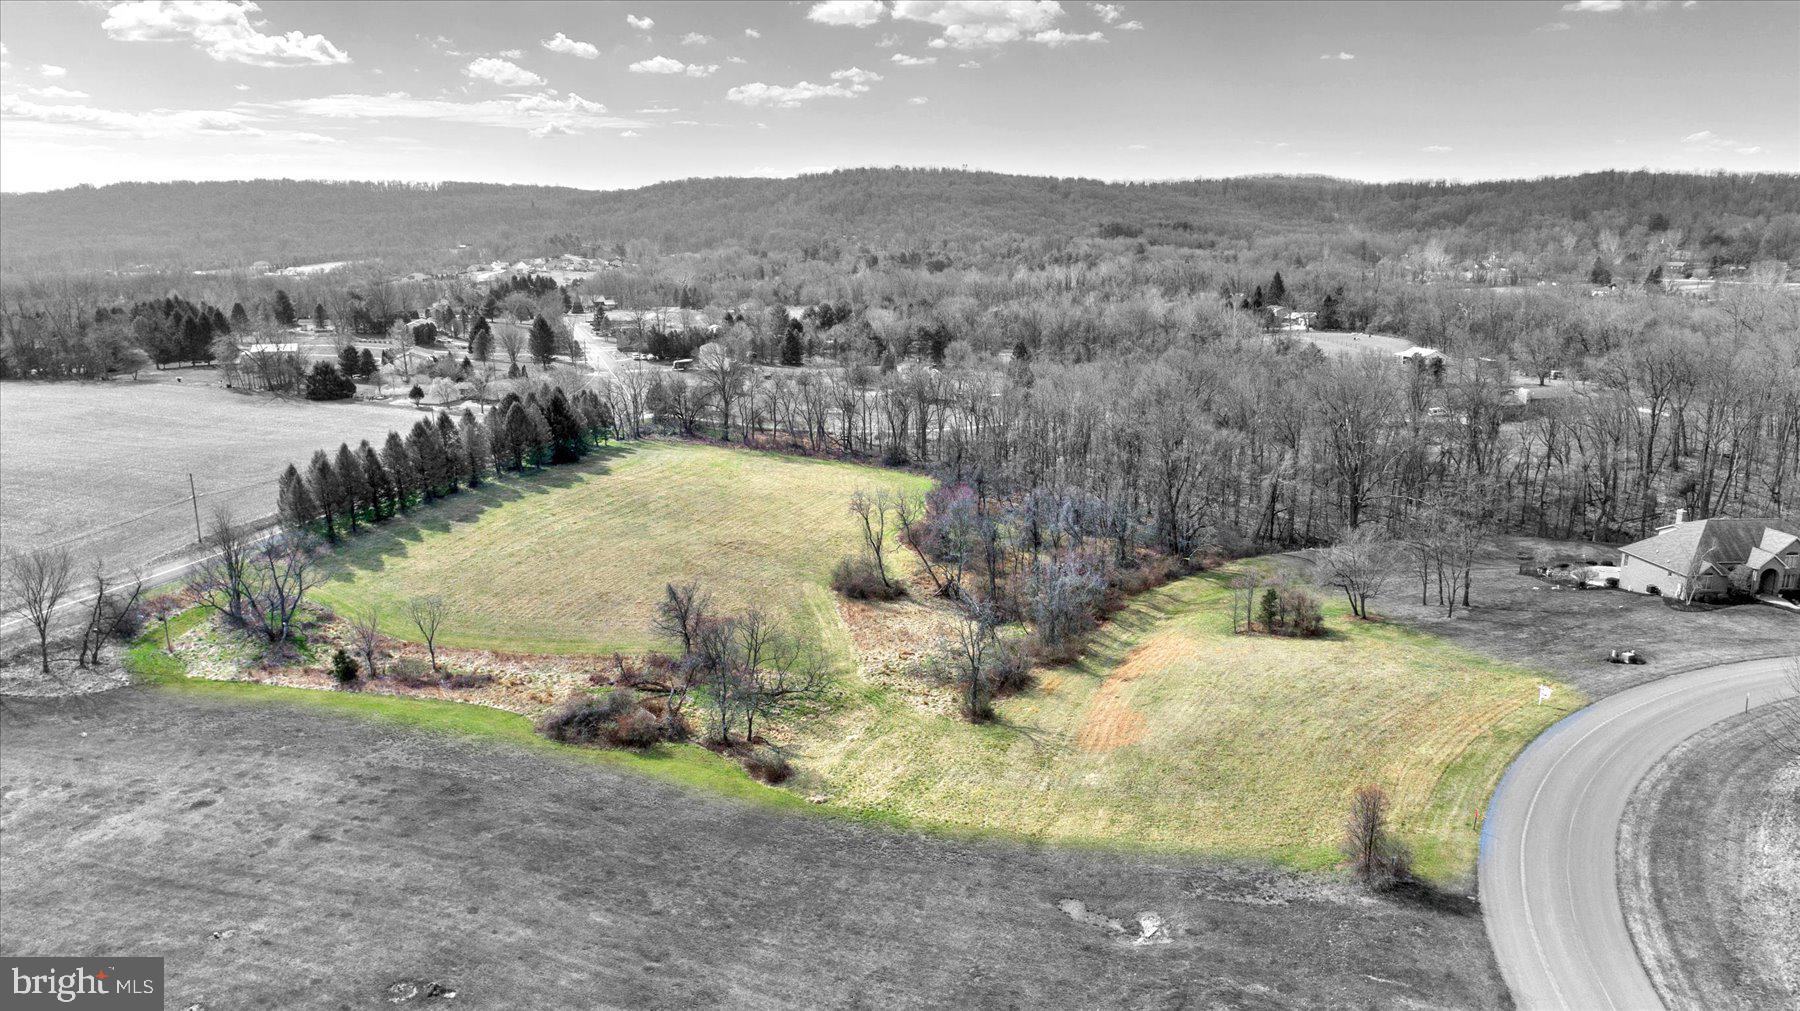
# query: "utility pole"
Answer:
x=195 y=497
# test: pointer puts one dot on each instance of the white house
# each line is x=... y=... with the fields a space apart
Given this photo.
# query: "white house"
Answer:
x=1759 y=556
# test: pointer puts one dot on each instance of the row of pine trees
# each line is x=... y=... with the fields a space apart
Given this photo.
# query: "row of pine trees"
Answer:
x=542 y=427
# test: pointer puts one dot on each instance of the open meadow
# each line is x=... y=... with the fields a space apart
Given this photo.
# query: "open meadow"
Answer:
x=575 y=559
x=1173 y=734
x=104 y=466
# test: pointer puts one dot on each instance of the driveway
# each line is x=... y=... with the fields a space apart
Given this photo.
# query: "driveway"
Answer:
x=1549 y=890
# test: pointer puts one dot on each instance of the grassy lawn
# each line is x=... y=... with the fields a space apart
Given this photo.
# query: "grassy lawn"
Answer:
x=577 y=559
x=1175 y=734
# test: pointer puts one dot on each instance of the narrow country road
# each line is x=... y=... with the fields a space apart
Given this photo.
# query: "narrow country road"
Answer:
x=1549 y=842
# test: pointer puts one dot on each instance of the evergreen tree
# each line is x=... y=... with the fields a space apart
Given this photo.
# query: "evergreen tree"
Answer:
x=453 y=450
x=402 y=471
x=481 y=340
x=428 y=456
x=519 y=435
x=1256 y=298
x=793 y=349
x=325 y=382
x=319 y=316
x=349 y=362
x=381 y=487
x=295 y=500
x=350 y=474
x=542 y=342
x=327 y=491
x=365 y=365
x=284 y=308
x=537 y=427
x=566 y=445
x=475 y=449
x=1601 y=274
x=1277 y=290
x=1654 y=278
x=240 y=320
x=1329 y=318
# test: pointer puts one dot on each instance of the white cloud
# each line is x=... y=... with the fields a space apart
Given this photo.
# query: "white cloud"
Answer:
x=1131 y=26
x=219 y=28
x=560 y=43
x=1337 y=56
x=1435 y=149
x=1056 y=38
x=975 y=24
x=847 y=13
x=888 y=41
x=735 y=59
x=901 y=59
x=844 y=84
x=153 y=123
x=641 y=24
x=502 y=72
x=917 y=100
x=631 y=133
x=695 y=39
x=505 y=54
x=970 y=64
x=1553 y=26
x=56 y=91
x=1137 y=147
x=1706 y=140
x=669 y=65
x=50 y=70
x=751 y=33
x=543 y=114
x=1108 y=13
x=241 y=87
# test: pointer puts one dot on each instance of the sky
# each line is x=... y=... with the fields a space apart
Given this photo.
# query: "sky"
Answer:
x=612 y=95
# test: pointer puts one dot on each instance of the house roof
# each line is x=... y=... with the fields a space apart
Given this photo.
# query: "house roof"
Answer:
x=1719 y=540
x=1775 y=544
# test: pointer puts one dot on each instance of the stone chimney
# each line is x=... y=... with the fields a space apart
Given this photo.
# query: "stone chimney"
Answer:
x=1681 y=515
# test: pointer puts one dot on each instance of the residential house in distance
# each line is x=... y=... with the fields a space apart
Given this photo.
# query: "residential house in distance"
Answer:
x=1721 y=554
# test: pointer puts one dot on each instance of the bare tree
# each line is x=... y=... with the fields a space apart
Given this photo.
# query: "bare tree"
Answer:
x=774 y=669
x=428 y=614
x=365 y=631
x=970 y=650
x=37 y=581
x=222 y=579
x=681 y=612
x=279 y=573
x=1360 y=565
x=1376 y=858
x=720 y=366
x=873 y=511
x=114 y=603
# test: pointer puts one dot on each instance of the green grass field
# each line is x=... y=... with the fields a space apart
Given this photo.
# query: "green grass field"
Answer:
x=1176 y=734
x=575 y=559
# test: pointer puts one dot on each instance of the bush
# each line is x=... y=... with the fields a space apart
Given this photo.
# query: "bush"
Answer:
x=1010 y=669
x=411 y=672
x=856 y=578
x=344 y=667
x=616 y=718
x=768 y=765
x=469 y=680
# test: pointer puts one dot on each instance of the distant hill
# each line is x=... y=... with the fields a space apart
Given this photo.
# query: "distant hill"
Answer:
x=219 y=224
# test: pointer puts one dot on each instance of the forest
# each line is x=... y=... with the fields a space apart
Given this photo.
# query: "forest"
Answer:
x=1295 y=220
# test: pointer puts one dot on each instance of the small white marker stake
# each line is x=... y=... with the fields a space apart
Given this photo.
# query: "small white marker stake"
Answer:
x=1543 y=694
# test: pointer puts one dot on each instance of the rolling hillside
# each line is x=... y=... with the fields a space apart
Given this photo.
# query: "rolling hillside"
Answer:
x=216 y=224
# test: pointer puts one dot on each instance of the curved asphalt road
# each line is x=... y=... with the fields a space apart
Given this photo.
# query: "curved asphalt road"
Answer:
x=1549 y=892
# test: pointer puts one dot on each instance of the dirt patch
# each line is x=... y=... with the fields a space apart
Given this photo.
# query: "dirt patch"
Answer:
x=1110 y=721
x=22 y=675
x=1709 y=870
x=892 y=641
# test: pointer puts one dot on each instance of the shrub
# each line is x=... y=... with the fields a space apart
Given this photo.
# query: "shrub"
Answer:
x=411 y=672
x=344 y=667
x=325 y=382
x=768 y=765
x=1010 y=669
x=469 y=680
x=616 y=718
x=856 y=578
